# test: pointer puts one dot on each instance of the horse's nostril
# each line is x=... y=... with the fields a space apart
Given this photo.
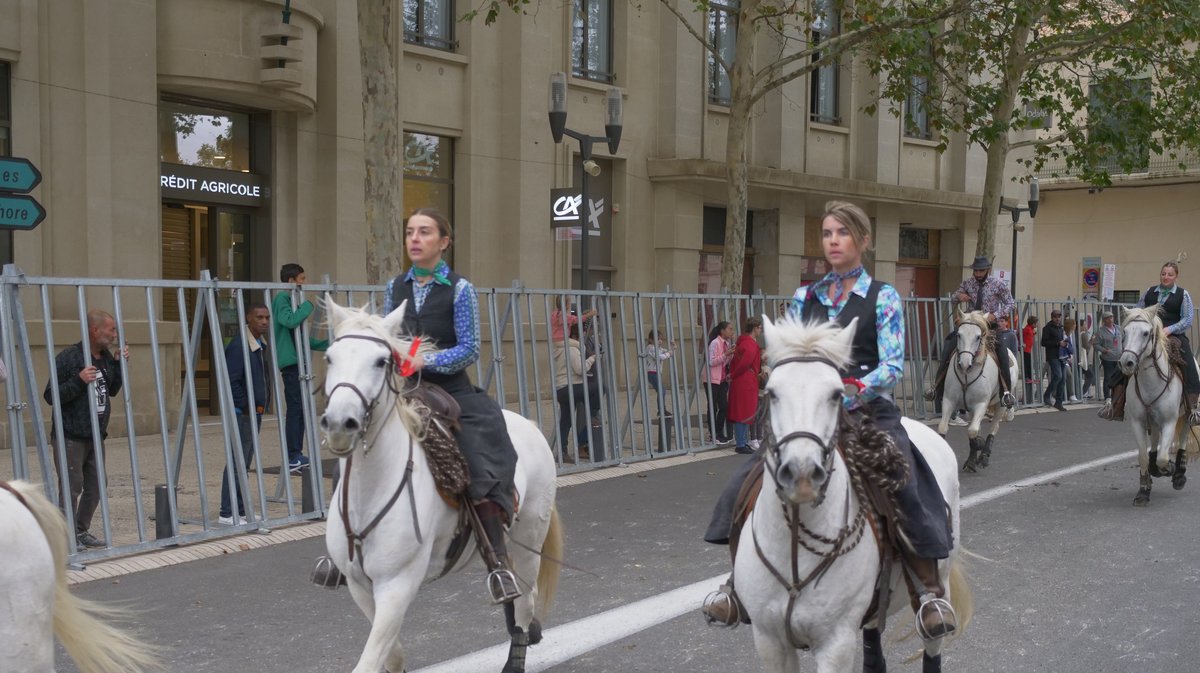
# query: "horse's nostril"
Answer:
x=351 y=424
x=787 y=474
x=818 y=475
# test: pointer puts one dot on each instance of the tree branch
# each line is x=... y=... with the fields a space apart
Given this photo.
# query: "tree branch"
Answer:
x=725 y=65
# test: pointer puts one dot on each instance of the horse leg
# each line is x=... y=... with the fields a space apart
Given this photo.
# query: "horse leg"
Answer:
x=973 y=458
x=1179 y=478
x=391 y=602
x=777 y=656
x=1166 y=436
x=837 y=653
x=985 y=452
x=873 y=661
x=1143 y=495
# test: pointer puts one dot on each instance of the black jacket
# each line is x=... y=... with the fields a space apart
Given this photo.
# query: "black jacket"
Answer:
x=72 y=391
x=237 y=376
x=1052 y=335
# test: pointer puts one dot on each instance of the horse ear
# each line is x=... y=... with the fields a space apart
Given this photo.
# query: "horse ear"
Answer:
x=393 y=320
x=768 y=329
x=847 y=334
x=336 y=313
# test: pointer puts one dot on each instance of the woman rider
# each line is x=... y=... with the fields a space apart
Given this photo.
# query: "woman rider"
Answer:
x=1175 y=309
x=443 y=307
x=845 y=293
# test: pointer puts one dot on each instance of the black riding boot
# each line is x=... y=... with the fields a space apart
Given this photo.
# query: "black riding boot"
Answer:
x=935 y=615
x=501 y=582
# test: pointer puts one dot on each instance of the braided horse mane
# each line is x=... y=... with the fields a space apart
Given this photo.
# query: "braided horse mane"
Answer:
x=1150 y=315
x=794 y=338
x=362 y=320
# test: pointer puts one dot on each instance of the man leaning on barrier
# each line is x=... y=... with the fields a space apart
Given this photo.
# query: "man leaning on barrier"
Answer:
x=103 y=377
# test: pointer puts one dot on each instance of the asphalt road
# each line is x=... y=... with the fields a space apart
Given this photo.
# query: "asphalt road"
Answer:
x=1068 y=577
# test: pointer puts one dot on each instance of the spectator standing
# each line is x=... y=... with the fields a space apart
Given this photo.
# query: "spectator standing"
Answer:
x=656 y=353
x=1087 y=361
x=1029 y=337
x=570 y=379
x=1054 y=341
x=744 y=369
x=1067 y=355
x=1108 y=349
x=287 y=320
x=103 y=379
x=248 y=381
x=720 y=352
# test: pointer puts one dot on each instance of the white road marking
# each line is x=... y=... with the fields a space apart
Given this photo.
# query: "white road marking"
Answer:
x=563 y=643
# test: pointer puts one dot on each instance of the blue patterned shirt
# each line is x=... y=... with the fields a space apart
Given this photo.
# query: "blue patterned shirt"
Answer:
x=466 y=320
x=889 y=325
x=1186 y=311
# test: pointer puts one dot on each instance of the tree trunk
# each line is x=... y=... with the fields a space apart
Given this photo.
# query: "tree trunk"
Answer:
x=997 y=151
x=741 y=91
x=381 y=138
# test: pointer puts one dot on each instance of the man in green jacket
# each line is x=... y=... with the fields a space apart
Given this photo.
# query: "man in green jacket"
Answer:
x=287 y=319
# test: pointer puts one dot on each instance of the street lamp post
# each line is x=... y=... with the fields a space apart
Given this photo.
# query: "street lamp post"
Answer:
x=612 y=136
x=1016 y=211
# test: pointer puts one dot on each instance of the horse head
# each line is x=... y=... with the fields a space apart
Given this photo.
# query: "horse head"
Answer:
x=1143 y=335
x=972 y=329
x=805 y=395
x=362 y=373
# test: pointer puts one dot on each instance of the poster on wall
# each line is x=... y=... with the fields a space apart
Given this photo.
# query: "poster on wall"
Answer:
x=1091 y=278
x=1109 y=282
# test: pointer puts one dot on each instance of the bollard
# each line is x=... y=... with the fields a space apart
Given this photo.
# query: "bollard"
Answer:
x=306 y=488
x=164 y=526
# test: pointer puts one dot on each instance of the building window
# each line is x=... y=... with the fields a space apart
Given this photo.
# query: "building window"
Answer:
x=429 y=177
x=429 y=23
x=722 y=35
x=1111 y=103
x=916 y=106
x=6 y=237
x=591 y=40
x=823 y=94
x=197 y=135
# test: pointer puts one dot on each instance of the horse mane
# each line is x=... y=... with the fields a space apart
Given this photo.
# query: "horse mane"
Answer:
x=794 y=338
x=362 y=320
x=977 y=318
x=1150 y=315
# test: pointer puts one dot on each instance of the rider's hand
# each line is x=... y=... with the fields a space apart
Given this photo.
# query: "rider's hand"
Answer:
x=417 y=362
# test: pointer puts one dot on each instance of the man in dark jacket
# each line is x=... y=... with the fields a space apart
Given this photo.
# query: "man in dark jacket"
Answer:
x=103 y=377
x=1053 y=339
x=250 y=396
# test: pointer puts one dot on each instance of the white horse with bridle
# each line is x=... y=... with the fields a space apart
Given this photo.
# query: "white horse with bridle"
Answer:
x=37 y=604
x=973 y=384
x=389 y=530
x=1154 y=401
x=807 y=566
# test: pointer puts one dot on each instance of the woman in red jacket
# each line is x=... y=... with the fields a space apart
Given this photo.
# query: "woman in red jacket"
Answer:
x=743 y=383
x=1029 y=335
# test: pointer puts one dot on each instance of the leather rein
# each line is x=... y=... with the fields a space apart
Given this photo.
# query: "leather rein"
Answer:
x=354 y=541
x=980 y=354
x=839 y=545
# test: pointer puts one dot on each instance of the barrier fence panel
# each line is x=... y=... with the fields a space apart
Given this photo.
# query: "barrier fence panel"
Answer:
x=637 y=388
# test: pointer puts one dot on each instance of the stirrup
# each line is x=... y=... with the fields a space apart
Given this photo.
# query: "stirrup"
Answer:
x=502 y=585
x=722 y=608
x=326 y=574
x=930 y=395
x=941 y=615
x=1194 y=419
x=1007 y=399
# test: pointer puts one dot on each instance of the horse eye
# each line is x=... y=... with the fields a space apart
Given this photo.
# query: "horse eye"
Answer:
x=381 y=363
x=836 y=398
x=328 y=360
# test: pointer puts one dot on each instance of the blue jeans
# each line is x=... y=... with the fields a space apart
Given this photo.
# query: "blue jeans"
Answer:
x=741 y=434
x=294 y=423
x=1058 y=382
x=243 y=423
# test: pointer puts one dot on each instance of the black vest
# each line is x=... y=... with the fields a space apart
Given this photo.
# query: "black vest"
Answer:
x=864 y=356
x=435 y=320
x=1171 y=309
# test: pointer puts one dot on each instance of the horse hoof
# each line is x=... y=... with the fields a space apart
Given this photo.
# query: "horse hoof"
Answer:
x=983 y=461
x=1178 y=481
x=969 y=466
x=1141 y=499
x=535 y=632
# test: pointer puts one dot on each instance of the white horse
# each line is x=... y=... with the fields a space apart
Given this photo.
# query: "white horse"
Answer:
x=973 y=383
x=375 y=434
x=837 y=559
x=37 y=604
x=1154 y=401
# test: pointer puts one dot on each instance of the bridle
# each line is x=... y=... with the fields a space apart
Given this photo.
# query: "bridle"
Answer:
x=370 y=405
x=839 y=545
x=979 y=354
x=1165 y=377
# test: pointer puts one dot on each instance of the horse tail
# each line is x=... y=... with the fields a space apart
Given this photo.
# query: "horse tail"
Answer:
x=551 y=566
x=79 y=624
x=961 y=596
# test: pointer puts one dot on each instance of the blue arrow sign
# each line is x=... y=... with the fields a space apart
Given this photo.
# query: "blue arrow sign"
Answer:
x=18 y=175
x=20 y=211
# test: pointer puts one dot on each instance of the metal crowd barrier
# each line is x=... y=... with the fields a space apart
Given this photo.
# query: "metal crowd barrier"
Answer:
x=165 y=460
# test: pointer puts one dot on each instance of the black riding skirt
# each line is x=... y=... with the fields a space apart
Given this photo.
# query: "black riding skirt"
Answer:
x=483 y=438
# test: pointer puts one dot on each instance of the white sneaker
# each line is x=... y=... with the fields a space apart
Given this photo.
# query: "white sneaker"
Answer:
x=228 y=521
x=1072 y=399
x=957 y=420
x=754 y=444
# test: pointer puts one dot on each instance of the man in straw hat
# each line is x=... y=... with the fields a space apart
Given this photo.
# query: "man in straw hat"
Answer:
x=988 y=294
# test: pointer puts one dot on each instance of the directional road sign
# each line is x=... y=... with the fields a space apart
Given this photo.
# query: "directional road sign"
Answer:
x=20 y=211
x=18 y=175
